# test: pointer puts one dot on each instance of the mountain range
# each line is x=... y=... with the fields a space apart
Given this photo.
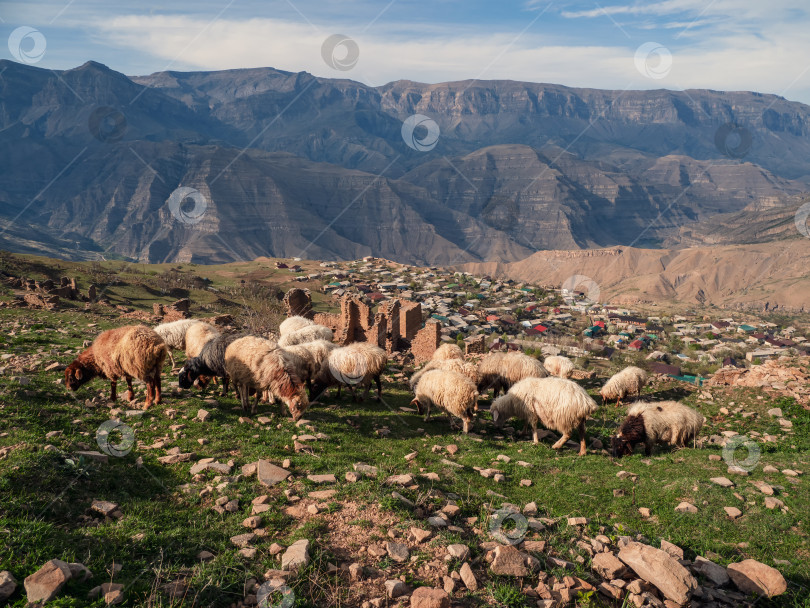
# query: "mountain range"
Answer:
x=288 y=164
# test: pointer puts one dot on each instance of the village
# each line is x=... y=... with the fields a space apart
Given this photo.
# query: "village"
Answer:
x=486 y=313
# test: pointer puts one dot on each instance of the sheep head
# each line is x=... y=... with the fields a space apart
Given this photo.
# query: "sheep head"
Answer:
x=631 y=432
x=415 y=402
x=77 y=374
x=185 y=378
x=298 y=404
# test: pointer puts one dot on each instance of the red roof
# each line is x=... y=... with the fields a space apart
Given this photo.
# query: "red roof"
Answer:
x=540 y=327
x=637 y=344
x=492 y=318
x=600 y=324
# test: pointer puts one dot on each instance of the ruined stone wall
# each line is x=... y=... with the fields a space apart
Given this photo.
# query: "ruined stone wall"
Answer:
x=426 y=341
x=410 y=319
x=476 y=345
x=298 y=302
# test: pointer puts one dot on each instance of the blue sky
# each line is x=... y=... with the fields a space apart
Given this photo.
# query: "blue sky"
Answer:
x=674 y=44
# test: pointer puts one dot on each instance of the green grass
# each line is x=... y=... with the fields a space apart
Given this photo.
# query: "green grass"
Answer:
x=45 y=495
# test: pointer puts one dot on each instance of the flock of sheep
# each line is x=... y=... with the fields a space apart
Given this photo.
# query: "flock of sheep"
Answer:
x=304 y=362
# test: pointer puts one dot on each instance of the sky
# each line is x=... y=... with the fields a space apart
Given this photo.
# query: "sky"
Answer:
x=673 y=44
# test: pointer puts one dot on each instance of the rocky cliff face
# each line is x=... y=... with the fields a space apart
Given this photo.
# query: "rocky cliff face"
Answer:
x=293 y=165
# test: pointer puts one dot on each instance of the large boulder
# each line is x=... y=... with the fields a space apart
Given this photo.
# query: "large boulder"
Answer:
x=509 y=561
x=752 y=576
x=660 y=569
x=8 y=584
x=296 y=555
x=45 y=584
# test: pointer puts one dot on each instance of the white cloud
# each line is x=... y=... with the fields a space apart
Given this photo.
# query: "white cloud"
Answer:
x=765 y=62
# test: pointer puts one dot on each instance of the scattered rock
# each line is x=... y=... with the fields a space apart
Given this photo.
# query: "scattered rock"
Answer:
x=419 y=535
x=203 y=415
x=243 y=540
x=427 y=597
x=328 y=478
x=608 y=566
x=397 y=552
x=46 y=583
x=752 y=576
x=205 y=556
x=686 y=507
x=468 y=578
x=252 y=522
x=508 y=561
x=577 y=521
x=296 y=555
x=715 y=573
x=660 y=569
x=732 y=512
x=724 y=482
x=773 y=503
x=763 y=487
x=458 y=551
x=399 y=480
x=394 y=588
x=365 y=469
x=8 y=584
x=269 y=474
x=674 y=550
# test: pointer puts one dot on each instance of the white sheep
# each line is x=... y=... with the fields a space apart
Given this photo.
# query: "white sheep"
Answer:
x=466 y=368
x=292 y=324
x=627 y=382
x=253 y=363
x=197 y=336
x=174 y=335
x=132 y=351
x=356 y=364
x=667 y=422
x=499 y=371
x=558 y=404
x=562 y=367
x=450 y=391
x=446 y=351
x=309 y=333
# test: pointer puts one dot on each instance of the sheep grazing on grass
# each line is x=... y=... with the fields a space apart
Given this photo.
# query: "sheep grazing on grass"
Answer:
x=450 y=391
x=627 y=382
x=311 y=356
x=467 y=368
x=132 y=351
x=499 y=371
x=209 y=363
x=562 y=367
x=291 y=324
x=174 y=335
x=558 y=404
x=310 y=333
x=354 y=365
x=447 y=351
x=197 y=336
x=667 y=422
x=253 y=363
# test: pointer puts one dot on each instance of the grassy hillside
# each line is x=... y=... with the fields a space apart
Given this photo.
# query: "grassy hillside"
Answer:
x=168 y=515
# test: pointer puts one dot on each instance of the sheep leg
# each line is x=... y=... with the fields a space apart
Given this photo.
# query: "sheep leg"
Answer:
x=427 y=410
x=149 y=391
x=113 y=383
x=561 y=441
x=157 y=386
x=130 y=390
x=243 y=396
x=171 y=358
x=535 y=438
x=367 y=384
x=582 y=439
x=466 y=426
x=378 y=382
x=618 y=402
x=225 y=381
x=338 y=392
x=648 y=447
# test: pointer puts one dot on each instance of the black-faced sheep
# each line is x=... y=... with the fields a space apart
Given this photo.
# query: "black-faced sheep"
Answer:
x=174 y=335
x=355 y=364
x=626 y=383
x=254 y=363
x=499 y=371
x=309 y=333
x=132 y=351
x=450 y=391
x=291 y=324
x=562 y=367
x=667 y=422
x=558 y=404
x=209 y=363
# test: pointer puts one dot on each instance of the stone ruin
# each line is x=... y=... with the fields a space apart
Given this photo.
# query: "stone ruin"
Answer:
x=396 y=326
x=172 y=312
x=476 y=345
x=298 y=302
x=47 y=294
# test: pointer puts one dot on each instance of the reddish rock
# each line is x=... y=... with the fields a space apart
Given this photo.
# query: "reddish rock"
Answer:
x=752 y=576
x=426 y=597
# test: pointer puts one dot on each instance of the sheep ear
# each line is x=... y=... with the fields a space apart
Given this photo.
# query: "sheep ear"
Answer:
x=79 y=374
x=495 y=416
